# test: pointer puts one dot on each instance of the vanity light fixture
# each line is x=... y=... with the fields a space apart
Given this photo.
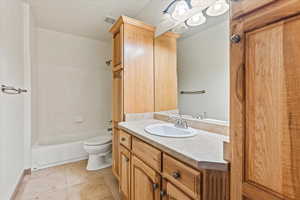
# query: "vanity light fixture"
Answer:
x=218 y=8
x=180 y=28
x=180 y=10
x=196 y=20
x=167 y=20
x=189 y=13
x=203 y=4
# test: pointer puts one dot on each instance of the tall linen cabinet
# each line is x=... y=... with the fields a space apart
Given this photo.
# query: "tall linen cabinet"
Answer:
x=133 y=74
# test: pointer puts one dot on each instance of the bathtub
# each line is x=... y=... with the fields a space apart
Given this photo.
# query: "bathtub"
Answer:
x=50 y=152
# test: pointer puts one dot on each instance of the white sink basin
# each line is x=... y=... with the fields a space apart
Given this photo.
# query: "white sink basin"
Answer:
x=169 y=130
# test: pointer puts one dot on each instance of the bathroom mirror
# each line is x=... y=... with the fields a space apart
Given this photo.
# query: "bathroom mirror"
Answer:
x=203 y=70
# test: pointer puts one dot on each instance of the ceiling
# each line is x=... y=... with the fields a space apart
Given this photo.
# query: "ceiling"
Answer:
x=86 y=17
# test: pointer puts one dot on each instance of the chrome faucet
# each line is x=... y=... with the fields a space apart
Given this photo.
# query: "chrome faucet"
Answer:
x=180 y=122
x=200 y=116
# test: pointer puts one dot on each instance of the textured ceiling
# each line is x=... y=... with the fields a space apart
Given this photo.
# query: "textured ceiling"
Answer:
x=86 y=17
x=83 y=17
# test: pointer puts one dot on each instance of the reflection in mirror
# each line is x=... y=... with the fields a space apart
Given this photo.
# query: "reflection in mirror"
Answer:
x=203 y=65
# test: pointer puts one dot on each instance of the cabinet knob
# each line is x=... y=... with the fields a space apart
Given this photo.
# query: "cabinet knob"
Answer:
x=155 y=186
x=127 y=159
x=176 y=175
x=162 y=193
x=235 y=38
x=123 y=139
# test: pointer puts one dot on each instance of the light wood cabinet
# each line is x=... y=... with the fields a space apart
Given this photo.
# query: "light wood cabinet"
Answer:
x=156 y=175
x=165 y=67
x=115 y=152
x=125 y=168
x=265 y=108
x=145 y=182
x=117 y=47
x=117 y=96
x=138 y=69
x=133 y=74
x=171 y=192
x=183 y=176
x=243 y=7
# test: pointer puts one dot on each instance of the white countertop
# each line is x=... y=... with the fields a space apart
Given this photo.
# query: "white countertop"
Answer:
x=203 y=151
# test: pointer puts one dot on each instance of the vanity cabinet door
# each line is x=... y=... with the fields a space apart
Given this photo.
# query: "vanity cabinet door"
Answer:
x=115 y=152
x=125 y=160
x=243 y=7
x=171 y=192
x=265 y=111
x=145 y=182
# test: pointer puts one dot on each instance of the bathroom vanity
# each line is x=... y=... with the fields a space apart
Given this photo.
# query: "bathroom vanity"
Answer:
x=151 y=167
x=154 y=167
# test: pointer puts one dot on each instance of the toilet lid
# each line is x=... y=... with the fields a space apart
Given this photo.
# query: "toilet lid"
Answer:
x=98 y=140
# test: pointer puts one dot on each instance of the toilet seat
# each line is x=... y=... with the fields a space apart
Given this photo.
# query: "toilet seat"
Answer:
x=99 y=140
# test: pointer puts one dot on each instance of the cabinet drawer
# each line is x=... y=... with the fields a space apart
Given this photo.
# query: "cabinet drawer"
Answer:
x=147 y=153
x=181 y=175
x=125 y=139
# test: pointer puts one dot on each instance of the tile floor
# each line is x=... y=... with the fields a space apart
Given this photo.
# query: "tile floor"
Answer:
x=69 y=182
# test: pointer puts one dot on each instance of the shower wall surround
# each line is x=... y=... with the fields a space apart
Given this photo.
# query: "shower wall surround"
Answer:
x=74 y=86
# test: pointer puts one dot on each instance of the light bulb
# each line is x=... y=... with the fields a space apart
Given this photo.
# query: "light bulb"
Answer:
x=202 y=3
x=218 y=8
x=167 y=20
x=196 y=20
x=181 y=9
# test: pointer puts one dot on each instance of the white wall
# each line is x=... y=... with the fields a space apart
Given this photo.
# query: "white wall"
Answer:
x=29 y=61
x=74 y=86
x=11 y=106
x=203 y=64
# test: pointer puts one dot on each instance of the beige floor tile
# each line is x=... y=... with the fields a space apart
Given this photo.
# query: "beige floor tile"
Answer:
x=92 y=190
x=36 y=186
x=70 y=182
x=113 y=185
x=60 y=194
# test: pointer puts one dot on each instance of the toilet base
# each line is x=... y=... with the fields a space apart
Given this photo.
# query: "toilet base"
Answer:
x=96 y=162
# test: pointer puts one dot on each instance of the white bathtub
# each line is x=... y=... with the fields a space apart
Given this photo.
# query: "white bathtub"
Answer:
x=59 y=152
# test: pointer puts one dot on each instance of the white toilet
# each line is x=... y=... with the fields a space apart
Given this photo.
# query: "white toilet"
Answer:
x=99 y=149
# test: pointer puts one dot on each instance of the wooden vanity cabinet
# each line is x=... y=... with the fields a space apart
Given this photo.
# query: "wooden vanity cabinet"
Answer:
x=171 y=192
x=115 y=152
x=265 y=103
x=125 y=172
x=155 y=175
x=145 y=182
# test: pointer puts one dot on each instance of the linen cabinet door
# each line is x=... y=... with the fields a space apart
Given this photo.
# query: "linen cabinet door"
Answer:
x=115 y=152
x=125 y=161
x=145 y=182
x=118 y=48
x=267 y=150
x=243 y=7
x=171 y=192
x=117 y=97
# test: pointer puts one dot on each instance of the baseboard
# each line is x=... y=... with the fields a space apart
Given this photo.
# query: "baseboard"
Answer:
x=36 y=168
x=26 y=172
